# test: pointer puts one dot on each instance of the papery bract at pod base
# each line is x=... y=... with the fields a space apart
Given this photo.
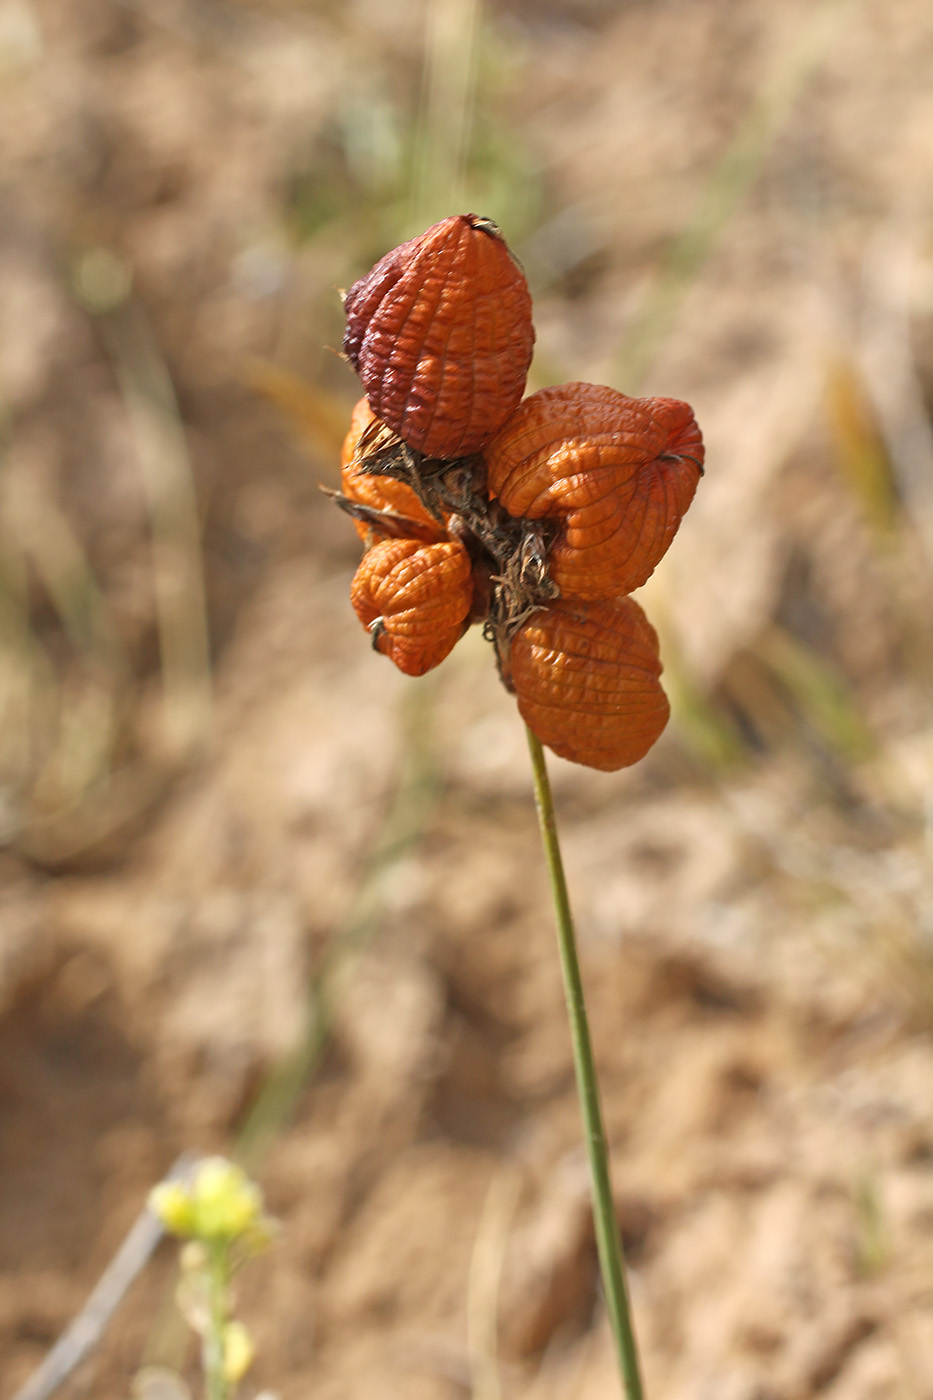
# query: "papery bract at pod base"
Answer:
x=440 y=333
x=379 y=492
x=586 y=677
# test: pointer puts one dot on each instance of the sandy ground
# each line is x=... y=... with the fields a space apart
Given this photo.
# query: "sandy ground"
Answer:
x=755 y=900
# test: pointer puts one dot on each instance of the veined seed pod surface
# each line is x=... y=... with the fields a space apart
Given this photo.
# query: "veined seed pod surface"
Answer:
x=619 y=473
x=440 y=333
x=415 y=600
x=380 y=493
x=586 y=677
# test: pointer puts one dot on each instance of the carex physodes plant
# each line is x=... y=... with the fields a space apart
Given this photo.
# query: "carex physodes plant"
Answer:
x=536 y=518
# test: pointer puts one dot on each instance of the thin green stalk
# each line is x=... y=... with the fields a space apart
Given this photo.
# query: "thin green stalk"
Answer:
x=608 y=1241
x=218 y=1271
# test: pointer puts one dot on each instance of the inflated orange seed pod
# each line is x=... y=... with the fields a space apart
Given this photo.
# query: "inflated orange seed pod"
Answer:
x=617 y=472
x=379 y=493
x=586 y=677
x=415 y=600
x=440 y=333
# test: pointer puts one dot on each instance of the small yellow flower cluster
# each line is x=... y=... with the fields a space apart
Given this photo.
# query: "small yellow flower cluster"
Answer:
x=218 y=1203
x=218 y=1211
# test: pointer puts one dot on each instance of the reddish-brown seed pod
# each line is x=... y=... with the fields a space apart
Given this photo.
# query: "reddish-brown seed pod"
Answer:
x=415 y=599
x=617 y=472
x=440 y=333
x=380 y=493
x=586 y=679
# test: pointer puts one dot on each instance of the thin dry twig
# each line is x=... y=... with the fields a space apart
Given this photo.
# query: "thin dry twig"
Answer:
x=86 y=1330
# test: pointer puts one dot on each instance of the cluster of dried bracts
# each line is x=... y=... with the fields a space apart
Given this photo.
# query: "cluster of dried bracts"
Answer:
x=536 y=518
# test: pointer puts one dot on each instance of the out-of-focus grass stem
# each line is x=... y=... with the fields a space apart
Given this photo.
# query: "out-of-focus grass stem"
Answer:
x=725 y=188
x=404 y=822
x=103 y=285
x=445 y=118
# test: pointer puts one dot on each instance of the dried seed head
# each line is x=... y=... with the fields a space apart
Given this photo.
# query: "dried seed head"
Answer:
x=440 y=333
x=617 y=472
x=534 y=518
x=415 y=599
x=586 y=679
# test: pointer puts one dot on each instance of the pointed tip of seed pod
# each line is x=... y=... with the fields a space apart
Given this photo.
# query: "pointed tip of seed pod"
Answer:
x=483 y=224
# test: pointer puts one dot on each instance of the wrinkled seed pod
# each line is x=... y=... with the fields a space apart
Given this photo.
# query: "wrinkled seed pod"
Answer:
x=619 y=473
x=415 y=599
x=440 y=333
x=379 y=493
x=586 y=679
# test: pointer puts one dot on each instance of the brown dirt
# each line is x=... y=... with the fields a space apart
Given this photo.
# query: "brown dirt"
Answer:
x=755 y=931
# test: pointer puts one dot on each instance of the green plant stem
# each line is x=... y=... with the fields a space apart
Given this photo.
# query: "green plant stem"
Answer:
x=608 y=1241
x=218 y=1270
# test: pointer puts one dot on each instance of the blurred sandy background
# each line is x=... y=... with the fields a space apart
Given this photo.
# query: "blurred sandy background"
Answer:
x=238 y=845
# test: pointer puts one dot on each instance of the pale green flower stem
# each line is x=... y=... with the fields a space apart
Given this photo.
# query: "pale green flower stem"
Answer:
x=214 y=1358
x=608 y=1241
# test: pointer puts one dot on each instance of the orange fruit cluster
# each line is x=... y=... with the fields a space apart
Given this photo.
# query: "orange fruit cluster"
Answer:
x=536 y=517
